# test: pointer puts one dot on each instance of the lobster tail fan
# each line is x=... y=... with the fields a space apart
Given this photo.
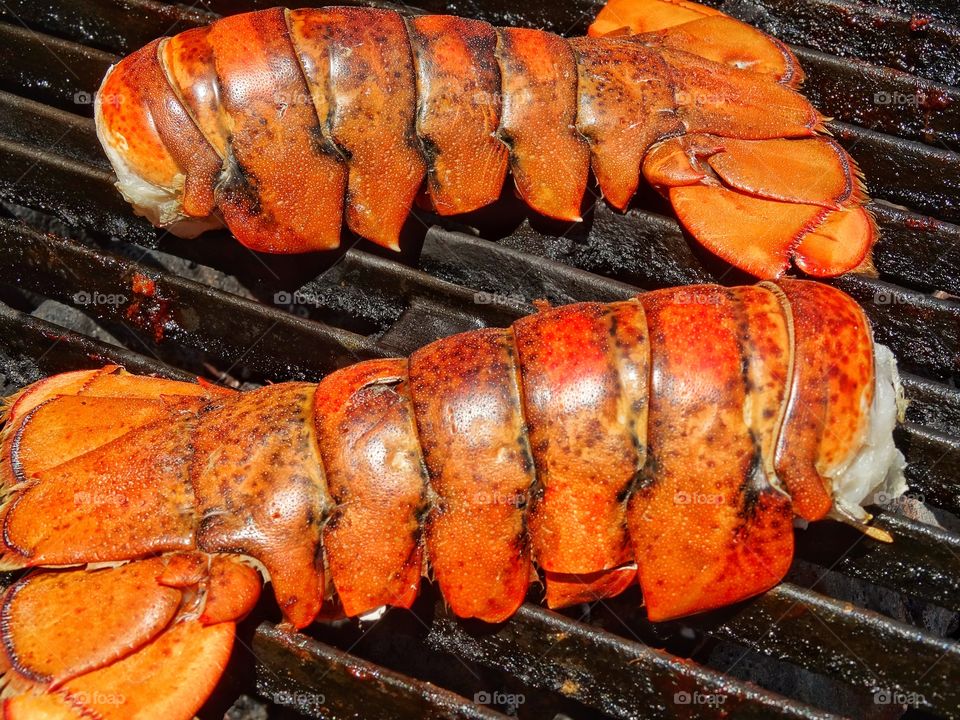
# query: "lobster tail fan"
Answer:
x=840 y=243
x=760 y=203
x=699 y=30
x=132 y=654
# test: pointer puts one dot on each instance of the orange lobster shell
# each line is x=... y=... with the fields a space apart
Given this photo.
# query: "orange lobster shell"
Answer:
x=668 y=440
x=286 y=125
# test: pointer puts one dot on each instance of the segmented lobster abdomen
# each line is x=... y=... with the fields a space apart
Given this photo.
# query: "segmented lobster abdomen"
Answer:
x=659 y=438
x=288 y=121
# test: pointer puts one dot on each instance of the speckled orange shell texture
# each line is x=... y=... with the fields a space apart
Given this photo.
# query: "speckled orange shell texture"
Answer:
x=668 y=439
x=289 y=125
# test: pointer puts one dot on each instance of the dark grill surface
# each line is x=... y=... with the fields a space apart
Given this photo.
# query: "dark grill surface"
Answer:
x=859 y=629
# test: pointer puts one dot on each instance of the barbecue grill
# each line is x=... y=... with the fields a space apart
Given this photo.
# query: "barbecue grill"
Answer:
x=859 y=629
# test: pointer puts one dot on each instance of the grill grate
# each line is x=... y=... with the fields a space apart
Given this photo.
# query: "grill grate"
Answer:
x=857 y=624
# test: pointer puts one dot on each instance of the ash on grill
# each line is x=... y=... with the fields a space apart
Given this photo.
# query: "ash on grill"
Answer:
x=859 y=629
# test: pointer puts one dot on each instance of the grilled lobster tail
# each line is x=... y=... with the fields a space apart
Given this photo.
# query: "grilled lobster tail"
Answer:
x=667 y=440
x=283 y=125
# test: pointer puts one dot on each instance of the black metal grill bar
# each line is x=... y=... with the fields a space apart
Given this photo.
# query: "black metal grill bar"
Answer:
x=35 y=349
x=493 y=269
x=885 y=101
x=83 y=196
x=273 y=343
x=932 y=457
x=622 y=678
x=116 y=27
x=319 y=680
x=54 y=131
x=934 y=185
x=932 y=404
x=933 y=262
x=78 y=194
x=923 y=561
x=944 y=10
x=28 y=57
x=860 y=648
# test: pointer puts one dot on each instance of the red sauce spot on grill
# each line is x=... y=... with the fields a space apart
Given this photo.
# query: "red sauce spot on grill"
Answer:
x=146 y=310
x=142 y=285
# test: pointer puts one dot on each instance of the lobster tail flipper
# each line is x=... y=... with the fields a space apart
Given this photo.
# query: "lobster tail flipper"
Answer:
x=760 y=203
x=136 y=652
x=699 y=30
x=750 y=180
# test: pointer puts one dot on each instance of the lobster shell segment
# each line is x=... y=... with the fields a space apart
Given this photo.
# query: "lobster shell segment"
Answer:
x=360 y=73
x=620 y=80
x=257 y=453
x=467 y=398
x=586 y=420
x=831 y=389
x=283 y=162
x=549 y=158
x=377 y=482
x=707 y=525
x=458 y=112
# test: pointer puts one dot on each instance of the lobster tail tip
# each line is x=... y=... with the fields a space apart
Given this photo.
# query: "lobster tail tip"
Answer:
x=702 y=31
x=640 y=16
x=142 y=657
x=840 y=243
x=758 y=203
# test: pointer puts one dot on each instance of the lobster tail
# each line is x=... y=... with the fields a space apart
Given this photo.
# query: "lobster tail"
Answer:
x=287 y=125
x=667 y=440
